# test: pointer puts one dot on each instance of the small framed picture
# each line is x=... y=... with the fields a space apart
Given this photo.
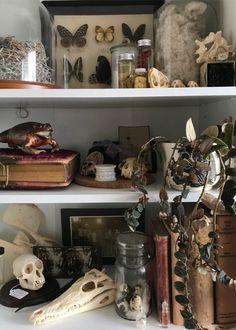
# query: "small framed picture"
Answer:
x=138 y=136
x=95 y=227
x=67 y=262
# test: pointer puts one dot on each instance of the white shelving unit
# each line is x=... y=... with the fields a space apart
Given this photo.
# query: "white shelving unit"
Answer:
x=104 y=319
x=85 y=100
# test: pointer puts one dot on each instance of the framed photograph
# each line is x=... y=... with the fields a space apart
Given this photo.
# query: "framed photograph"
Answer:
x=138 y=136
x=67 y=262
x=95 y=227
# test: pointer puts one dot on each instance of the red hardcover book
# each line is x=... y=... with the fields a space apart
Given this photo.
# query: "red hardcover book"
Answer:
x=162 y=273
x=44 y=170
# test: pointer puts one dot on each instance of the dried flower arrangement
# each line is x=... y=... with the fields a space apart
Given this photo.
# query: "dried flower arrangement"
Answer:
x=197 y=150
x=13 y=55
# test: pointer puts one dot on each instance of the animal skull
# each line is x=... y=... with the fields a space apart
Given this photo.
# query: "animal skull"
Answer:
x=129 y=165
x=28 y=269
x=157 y=79
x=177 y=83
x=94 y=290
x=192 y=83
x=93 y=159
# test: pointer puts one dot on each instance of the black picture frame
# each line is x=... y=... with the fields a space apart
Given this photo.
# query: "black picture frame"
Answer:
x=97 y=227
x=66 y=261
x=101 y=7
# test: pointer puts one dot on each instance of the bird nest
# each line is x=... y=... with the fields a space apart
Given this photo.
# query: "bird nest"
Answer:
x=16 y=61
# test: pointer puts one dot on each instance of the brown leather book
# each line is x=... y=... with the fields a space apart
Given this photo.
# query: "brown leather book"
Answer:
x=162 y=281
x=225 y=297
x=18 y=169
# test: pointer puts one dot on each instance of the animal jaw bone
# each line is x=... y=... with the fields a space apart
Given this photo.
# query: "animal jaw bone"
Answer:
x=92 y=291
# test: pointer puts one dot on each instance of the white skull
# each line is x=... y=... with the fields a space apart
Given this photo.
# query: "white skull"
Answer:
x=28 y=269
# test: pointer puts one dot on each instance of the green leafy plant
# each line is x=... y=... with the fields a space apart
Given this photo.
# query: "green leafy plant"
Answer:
x=192 y=169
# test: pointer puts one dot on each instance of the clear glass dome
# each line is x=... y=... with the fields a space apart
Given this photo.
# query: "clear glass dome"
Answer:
x=26 y=45
x=177 y=24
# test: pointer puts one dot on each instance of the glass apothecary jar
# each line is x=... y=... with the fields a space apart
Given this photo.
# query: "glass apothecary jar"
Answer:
x=26 y=45
x=177 y=24
x=133 y=275
x=116 y=51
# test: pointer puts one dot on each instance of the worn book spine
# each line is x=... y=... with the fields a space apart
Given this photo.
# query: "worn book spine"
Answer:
x=162 y=278
x=225 y=297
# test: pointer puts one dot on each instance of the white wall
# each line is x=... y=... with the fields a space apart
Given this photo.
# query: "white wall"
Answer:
x=227 y=16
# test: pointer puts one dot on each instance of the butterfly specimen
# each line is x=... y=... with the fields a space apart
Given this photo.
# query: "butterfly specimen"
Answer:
x=104 y=34
x=103 y=72
x=138 y=33
x=69 y=71
x=68 y=39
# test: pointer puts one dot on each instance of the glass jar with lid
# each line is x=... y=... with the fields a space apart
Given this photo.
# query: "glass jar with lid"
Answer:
x=145 y=54
x=26 y=45
x=140 y=78
x=133 y=275
x=115 y=53
x=126 y=67
x=177 y=24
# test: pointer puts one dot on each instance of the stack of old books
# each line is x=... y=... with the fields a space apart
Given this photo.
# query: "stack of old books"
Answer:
x=44 y=170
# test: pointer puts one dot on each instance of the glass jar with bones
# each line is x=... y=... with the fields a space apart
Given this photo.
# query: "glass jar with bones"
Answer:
x=177 y=24
x=26 y=45
x=133 y=275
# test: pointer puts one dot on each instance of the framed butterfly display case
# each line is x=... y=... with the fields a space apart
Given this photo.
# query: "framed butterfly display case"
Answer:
x=87 y=30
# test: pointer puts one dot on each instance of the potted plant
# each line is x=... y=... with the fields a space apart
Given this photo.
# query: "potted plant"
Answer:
x=173 y=215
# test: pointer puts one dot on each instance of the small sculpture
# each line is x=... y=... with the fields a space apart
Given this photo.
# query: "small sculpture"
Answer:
x=92 y=291
x=213 y=48
x=28 y=269
x=28 y=136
